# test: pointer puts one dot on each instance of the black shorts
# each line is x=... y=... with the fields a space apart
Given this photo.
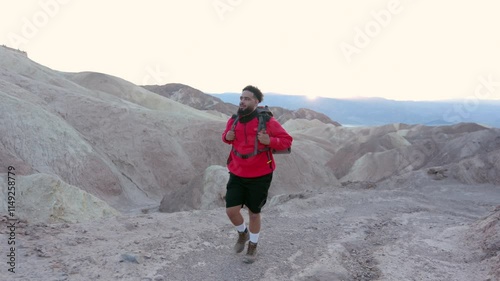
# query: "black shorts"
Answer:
x=251 y=192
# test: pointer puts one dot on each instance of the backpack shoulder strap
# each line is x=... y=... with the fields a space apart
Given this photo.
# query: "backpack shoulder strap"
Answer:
x=235 y=117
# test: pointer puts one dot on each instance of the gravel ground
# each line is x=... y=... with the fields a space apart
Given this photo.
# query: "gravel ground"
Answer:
x=354 y=232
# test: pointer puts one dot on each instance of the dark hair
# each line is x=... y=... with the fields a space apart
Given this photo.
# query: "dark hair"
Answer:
x=255 y=91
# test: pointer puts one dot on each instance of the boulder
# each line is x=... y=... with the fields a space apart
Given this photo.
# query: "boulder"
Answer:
x=48 y=199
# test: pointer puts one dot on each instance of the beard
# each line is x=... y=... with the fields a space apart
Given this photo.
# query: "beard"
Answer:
x=246 y=111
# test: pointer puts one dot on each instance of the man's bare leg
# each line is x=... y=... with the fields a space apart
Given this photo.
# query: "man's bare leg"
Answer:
x=254 y=225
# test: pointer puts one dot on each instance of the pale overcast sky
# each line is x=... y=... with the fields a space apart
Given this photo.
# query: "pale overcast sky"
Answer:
x=396 y=49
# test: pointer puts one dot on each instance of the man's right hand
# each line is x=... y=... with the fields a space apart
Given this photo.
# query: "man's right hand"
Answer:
x=230 y=135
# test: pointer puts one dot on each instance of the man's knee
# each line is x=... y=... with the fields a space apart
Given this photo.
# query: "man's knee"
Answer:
x=253 y=215
x=233 y=211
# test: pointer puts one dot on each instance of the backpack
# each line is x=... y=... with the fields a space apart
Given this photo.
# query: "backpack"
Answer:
x=264 y=115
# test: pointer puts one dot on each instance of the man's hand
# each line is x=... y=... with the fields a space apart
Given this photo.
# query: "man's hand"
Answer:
x=263 y=138
x=230 y=136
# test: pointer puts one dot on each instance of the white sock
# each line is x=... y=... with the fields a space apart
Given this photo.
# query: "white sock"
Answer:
x=254 y=237
x=241 y=228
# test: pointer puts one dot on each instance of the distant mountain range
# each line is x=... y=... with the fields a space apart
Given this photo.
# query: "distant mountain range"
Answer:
x=379 y=111
x=197 y=99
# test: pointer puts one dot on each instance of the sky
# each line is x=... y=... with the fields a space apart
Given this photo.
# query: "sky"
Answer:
x=394 y=49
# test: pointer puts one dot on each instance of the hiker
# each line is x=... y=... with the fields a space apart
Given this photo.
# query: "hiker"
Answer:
x=251 y=165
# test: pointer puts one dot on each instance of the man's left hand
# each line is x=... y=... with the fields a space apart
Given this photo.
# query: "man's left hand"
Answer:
x=264 y=138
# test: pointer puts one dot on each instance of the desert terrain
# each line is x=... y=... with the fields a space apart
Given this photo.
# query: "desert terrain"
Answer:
x=117 y=182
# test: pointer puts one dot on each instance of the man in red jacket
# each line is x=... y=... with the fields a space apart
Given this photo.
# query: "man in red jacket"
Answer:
x=250 y=173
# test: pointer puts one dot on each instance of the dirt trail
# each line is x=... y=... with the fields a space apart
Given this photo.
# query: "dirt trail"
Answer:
x=345 y=233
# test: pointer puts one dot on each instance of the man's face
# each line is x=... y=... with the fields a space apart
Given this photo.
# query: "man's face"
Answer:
x=248 y=103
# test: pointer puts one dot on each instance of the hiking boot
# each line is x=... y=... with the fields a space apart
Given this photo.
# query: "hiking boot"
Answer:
x=251 y=255
x=243 y=237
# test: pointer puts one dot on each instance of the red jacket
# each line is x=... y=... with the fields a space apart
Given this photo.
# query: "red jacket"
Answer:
x=244 y=142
